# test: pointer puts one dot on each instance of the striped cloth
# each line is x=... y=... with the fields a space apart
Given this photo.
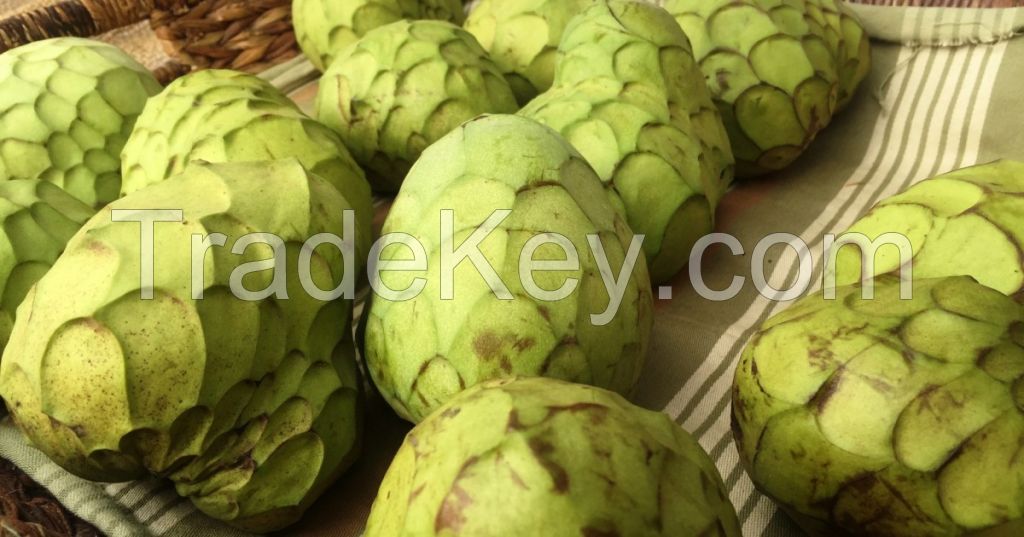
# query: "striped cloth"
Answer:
x=944 y=93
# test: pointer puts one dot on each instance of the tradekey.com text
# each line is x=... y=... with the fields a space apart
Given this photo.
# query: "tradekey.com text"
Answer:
x=404 y=253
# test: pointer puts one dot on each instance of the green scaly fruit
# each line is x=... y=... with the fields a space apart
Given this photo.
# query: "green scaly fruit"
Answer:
x=36 y=221
x=424 y=350
x=324 y=28
x=522 y=37
x=249 y=404
x=779 y=70
x=646 y=124
x=227 y=116
x=67 y=105
x=968 y=222
x=402 y=87
x=891 y=417
x=520 y=458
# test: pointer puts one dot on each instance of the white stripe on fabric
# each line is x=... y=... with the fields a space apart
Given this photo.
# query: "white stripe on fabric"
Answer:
x=977 y=121
x=137 y=493
x=168 y=520
x=759 y=517
x=156 y=504
x=976 y=100
x=941 y=136
x=46 y=473
x=692 y=388
x=940 y=95
x=877 y=151
x=114 y=488
x=907 y=172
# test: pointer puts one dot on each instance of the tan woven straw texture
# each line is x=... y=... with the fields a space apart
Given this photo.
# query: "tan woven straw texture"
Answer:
x=170 y=37
x=137 y=39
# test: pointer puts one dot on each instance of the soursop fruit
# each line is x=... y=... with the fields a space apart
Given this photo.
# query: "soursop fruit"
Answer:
x=228 y=116
x=886 y=416
x=779 y=70
x=522 y=37
x=421 y=350
x=38 y=219
x=647 y=124
x=538 y=456
x=67 y=105
x=402 y=87
x=324 y=28
x=248 y=401
x=967 y=222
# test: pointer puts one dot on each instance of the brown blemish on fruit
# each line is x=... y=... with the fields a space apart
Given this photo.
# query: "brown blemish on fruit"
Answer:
x=541 y=451
x=544 y=312
x=490 y=347
x=827 y=390
x=537 y=185
x=450 y=516
x=415 y=493
x=517 y=479
x=487 y=345
x=937 y=402
x=597 y=412
x=524 y=344
x=513 y=422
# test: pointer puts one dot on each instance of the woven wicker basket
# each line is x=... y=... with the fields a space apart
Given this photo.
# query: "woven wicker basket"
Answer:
x=249 y=35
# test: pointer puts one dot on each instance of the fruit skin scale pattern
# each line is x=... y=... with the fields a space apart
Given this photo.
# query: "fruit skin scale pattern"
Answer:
x=113 y=387
x=628 y=95
x=325 y=28
x=421 y=352
x=779 y=70
x=402 y=87
x=522 y=37
x=538 y=456
x=67 y=105
x=38 y=219
x=887 y=416
x=227 y=116
x=966 y=222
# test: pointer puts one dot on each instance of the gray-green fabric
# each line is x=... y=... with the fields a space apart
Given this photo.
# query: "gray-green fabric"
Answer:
x=122 y=509
x=924 y=110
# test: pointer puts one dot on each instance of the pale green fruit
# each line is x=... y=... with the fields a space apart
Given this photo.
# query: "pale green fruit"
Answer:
x=968 y=222
x=37 y=220
x=522 y=37
x=227 y=116
x=530 y=457
x=250 y=406
x=67 y=105
x=779 y=70
x=402 y=87
x=646 y=124
x=424 y=350
x=889 y=417
x=324 y=28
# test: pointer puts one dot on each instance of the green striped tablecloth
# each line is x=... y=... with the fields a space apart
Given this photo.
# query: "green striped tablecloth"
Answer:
x=945 y=93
